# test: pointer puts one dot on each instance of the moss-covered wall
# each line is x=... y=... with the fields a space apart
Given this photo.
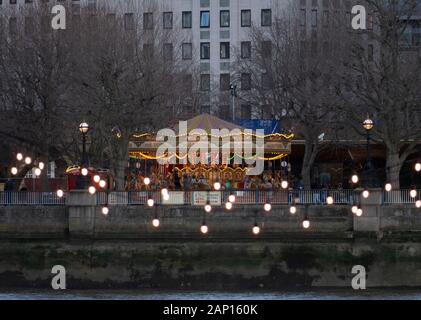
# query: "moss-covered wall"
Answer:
x=208 y=265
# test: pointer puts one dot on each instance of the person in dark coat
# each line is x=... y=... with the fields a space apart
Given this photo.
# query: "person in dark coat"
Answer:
x=176 y=180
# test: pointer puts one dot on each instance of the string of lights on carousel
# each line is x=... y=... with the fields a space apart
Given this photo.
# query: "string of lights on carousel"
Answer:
x=229 y=205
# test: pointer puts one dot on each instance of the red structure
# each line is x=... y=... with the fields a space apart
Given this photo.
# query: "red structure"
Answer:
x=74 y=173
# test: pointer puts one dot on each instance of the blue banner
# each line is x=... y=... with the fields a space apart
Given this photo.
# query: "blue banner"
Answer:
x=270 y=126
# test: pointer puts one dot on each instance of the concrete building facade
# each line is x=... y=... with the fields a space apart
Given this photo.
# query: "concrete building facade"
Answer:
x=214 y=34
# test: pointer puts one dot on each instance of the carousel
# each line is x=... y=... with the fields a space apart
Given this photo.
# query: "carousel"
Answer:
x=144 y=157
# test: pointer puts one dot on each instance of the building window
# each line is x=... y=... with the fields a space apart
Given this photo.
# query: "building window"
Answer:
x=45 y=24
x=205 y=50
x=188 y=84
x=314 y=18
x=246 y=18
x=303 y=17
x=225 y=50
x=13 y=26
x=245 y=111
x=225 y=112
x=148 y=21
x=128 y=21
x=187 y=51
x=266 y=17
x=370 y=52
x=325 y=18
x=246 y=50
x=204 y=19
x=245 y=81
x=266 y=49
x=348 y=19
x=224 y=18
x=148 y=51
x=167 y=20
x=186 y=19
x=224 y=82
x=29 y=26
x=205 y=82
x=205 y=109
x=168 y=51
x=266 y=81
x=370 y=22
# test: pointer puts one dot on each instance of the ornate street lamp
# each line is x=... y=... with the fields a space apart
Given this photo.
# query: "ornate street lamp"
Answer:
x=368 y=125
x=83 y=129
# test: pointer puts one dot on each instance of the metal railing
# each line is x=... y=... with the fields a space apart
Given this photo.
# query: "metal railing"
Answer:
x=400 y=197
x=242 y=197
x=28 y=198
x=197 y=198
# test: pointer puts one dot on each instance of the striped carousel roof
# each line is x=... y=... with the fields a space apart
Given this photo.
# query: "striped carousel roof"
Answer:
x=208 y=122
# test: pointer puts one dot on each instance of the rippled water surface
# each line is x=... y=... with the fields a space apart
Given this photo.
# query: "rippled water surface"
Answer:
x=369 y=294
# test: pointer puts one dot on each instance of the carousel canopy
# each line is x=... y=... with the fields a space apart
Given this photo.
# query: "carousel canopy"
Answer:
x=208 y=122
x=143 y=145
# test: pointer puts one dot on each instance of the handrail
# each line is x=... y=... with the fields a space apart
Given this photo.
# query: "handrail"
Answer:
x=195 y=198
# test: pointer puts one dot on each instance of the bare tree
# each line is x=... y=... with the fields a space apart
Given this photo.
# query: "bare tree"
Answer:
x=34 y=64
x=294 y=78
x=387 y=81
x=131 y=80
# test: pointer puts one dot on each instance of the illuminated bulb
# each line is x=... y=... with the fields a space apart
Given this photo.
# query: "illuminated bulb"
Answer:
x=306 y=223
x=204 y=229
x=41 y=165
x=97 y=178
x=284 y=184
x=92 y=190
x=388 y=187
x=413 y=193
x=208 y=208
x=146 y=181
x=418 y=167
x=366 y=194
x=28 y=160
x=14 y=171
x=105 y=210
x=164 y=191
x=354 y=178
x=256 y=229
x=150 y=202
x=84 y=172
x=329 y=200
x=228 y=205
x=359 y=212
x=166 y=196
x=267 y=207
x=354 y=209
x=155 y=222
x=102 y=183
x=217 y=186
x=37 y=171
x=293 y=209
x=60 y=193
x=231 y=198
x=19 y=156
x=418 y=204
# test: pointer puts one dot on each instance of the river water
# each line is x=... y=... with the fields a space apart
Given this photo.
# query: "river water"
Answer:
x=340 y=294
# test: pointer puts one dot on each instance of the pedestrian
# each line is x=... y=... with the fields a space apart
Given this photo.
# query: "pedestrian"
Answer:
x=176 y=178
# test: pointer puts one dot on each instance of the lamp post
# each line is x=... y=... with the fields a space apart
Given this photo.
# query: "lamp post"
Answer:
x=83 y=129
x=368 y=125
x=233 y=90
